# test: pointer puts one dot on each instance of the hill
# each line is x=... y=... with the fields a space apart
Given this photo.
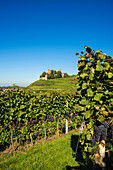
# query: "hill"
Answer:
x=65 y=84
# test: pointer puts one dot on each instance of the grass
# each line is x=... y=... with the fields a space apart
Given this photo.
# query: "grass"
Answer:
x=54 y=155
x=67 y=84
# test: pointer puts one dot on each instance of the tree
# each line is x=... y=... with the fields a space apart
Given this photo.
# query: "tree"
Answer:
x=54 y=71
x=65 y=75
x=43 y=74
x=59 y=74
x=50 y=76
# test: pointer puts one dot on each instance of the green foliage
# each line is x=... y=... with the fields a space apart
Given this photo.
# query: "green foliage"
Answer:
x=95 y=90
x=59 y=74
x=65 y=75
x=19 y=107
x=51 y=76
x=43 y=74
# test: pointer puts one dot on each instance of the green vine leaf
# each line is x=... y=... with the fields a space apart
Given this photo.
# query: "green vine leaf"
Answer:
x=110 y=75
x=99 y=67
x=91 y=77
x=83 y=75
x=88 y=114
x=88 y=136
x=101 y=118
x=83 y=101
x=98 y=96
x=84 y=86
x=90 y=92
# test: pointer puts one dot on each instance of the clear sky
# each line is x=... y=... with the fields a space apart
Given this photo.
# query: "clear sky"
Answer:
x=37 y=35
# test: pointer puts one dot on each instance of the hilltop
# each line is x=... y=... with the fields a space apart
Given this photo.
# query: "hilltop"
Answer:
x=52 y=74
x=65 y=84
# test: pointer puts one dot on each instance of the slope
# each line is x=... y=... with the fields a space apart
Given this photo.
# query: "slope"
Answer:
x=65 y=84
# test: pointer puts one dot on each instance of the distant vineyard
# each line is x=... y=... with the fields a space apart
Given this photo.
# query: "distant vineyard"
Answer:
x=25 y=116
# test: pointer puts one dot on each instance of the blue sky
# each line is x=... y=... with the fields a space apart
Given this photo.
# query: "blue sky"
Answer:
x=37 y=35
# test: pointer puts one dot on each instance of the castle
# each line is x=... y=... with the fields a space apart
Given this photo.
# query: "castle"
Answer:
x=53 y=72
x=43 y=78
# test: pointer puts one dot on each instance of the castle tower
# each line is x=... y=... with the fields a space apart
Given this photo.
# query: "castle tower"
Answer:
x=49 y=71
x=62 y=75
x=46 y=77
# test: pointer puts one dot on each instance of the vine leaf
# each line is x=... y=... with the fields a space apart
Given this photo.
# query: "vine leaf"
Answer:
x=98 y=96
x=84 y=86
x=88 y=114
x=83 y=75
x=110 y=75
x=88 y=136
x=91 y=76
x=96 y=107
x=90 y=93
x=99 y=67
x=83 y=101
x=101 y=118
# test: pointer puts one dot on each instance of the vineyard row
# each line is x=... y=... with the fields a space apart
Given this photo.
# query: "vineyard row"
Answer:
x=27 y=117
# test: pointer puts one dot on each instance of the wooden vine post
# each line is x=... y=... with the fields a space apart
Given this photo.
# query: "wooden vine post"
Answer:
x=58 y=126
x=12 y=139
x=19 y=129
x=66 y=118
x=44 y=128
x=31 y=139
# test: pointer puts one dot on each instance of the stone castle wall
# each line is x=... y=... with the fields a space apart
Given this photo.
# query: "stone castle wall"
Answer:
x=49 y=72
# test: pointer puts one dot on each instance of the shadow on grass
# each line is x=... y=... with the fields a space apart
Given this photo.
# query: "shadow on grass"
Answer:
x=74 y=167
x=74 y=141
x=84 y=164
x=109 y=161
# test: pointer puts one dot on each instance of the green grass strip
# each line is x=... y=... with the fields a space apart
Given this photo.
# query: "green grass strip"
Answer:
x=54 y=155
